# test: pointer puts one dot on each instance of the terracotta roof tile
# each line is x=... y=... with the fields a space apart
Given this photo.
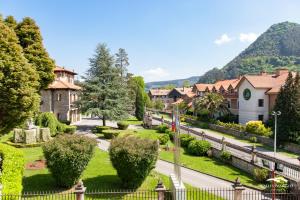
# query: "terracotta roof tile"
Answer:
x=59 y=84
x=62 y=69
x=202 y=86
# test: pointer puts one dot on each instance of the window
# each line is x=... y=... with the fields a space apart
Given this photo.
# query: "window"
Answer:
x=228 y=104
x=260 y=103
x=261 y=117
x=58 y=97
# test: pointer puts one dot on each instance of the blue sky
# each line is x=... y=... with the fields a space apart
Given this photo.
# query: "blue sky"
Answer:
x=165 y=39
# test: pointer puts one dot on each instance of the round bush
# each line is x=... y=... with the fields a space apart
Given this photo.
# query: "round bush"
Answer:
x=133 y=158
x=199 y=147
x=100 y=129
x=253 y=139
x=109 y=134
x=163 y=139
x=170 y=133
x=122 y=125
x=67 y=156
x=226 y=156
x=162 y=128
x=185 y=139
x=261 y=175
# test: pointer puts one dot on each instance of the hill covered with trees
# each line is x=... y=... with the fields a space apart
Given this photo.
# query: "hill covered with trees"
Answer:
x=278 y=47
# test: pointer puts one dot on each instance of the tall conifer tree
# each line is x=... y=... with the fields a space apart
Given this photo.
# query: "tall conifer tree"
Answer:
x=104 y=94
x=31 y=40
x=18 y=82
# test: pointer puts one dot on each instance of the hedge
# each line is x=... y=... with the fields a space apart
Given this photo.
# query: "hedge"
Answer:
x=257 y=127
x=163 y=139
x=122 y=125
x=185 y=139
x=198 y=147
x=12 y=170
x=67 y=156
x=109 y=134
x=162 y=128
x=99 y=129
x=133 y=158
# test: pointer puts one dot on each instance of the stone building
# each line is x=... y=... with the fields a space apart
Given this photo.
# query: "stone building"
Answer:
x=60 y=96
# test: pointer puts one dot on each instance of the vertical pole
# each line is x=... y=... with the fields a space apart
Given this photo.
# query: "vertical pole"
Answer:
x=273 y=172
x=160 y=189
x=238 y=190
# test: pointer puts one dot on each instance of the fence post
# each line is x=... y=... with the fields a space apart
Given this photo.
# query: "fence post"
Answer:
x=238 y=189
x=253 y=154
x=223 y=144
x=160 y=189
x=79 y=190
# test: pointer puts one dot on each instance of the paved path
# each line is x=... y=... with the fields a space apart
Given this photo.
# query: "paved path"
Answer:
x=246 y=145
x=190 y=177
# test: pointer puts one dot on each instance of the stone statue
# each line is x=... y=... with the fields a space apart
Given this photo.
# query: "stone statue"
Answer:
x=30 y=125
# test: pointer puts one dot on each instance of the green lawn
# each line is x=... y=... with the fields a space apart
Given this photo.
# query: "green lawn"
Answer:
x=133 y=121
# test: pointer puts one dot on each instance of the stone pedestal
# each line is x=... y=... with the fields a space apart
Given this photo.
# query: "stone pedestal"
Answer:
x=45 y=134
x=18 y=135
x=30 y=136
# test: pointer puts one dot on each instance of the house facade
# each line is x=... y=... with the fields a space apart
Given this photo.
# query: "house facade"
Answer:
x=257 y=95
x=60 y=96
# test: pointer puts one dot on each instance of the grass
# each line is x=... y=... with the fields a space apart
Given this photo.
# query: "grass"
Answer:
x=133 y=121
x=99 y=175
x=212 y=167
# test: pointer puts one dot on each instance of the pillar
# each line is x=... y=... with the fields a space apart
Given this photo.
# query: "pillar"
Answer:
x=238 y=190
x=79 y=190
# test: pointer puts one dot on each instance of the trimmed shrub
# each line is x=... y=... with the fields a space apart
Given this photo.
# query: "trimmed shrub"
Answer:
x=70 y=129
x=67 y=156
x=198 y=147
x=261 y=175
x=162 y=128
x=257 y=127
x=238 y=127
x=12 y=170
x=67 y=122
x=170 y=133
x=133 y=158
x=61 y=128
x=47 y=119
x=253 y=139
x=100 y=129
x=163 y=139
x=122 y=125
x=225 y=156
x=109 y=134
x=185 y=139
x=203 y=125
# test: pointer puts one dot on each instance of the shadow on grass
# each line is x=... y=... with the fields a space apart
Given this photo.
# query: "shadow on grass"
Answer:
x=39 y=182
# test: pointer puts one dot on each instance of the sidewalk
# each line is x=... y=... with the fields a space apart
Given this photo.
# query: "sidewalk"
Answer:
x=262 y=150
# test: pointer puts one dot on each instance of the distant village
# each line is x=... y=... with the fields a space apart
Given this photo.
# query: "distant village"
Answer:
x=249 y=97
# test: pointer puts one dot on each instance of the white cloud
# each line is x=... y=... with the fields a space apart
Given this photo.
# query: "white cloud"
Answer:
x=248 y=37
x=223 y=39
x=155 y=74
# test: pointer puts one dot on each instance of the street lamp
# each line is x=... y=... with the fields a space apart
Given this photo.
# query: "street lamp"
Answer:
x=275 y=114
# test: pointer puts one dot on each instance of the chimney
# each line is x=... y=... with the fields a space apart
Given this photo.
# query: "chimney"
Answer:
x=281 y=71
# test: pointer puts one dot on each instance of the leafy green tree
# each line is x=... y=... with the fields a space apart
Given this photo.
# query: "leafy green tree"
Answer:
x=18 y=82
x=139 y=103
x=158 y=104
x=103 y=93
x=183 y=107
x=288 y=104
x=122 y=61
x=31 y=40
x=212 y=102
x=11 y=22
x=186 y=83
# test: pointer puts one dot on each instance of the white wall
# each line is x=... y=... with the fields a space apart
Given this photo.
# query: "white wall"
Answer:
x=248 y=109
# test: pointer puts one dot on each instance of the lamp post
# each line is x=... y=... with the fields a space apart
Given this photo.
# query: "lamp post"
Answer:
x=275 y=114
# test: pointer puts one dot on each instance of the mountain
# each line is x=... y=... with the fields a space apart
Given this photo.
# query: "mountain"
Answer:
x=177 y=83
x=278 y=47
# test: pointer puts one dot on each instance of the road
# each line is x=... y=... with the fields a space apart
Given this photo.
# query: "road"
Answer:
x=189 y=176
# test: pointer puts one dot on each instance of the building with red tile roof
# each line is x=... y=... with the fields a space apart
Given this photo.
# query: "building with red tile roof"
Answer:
x=60 y=96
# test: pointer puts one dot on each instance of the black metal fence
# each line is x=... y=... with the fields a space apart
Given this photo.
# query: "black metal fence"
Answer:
x=188 y=194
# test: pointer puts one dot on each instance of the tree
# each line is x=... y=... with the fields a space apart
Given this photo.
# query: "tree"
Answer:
x=158 y=104
x=31 y=40
x=186 y=83
x=122 y=61
x=183 y=107
x=103 y=93
x=212 y=102
x=19 y=99
x=288 y=104
x=11 y=22
x=169 y=87
x=139 y=104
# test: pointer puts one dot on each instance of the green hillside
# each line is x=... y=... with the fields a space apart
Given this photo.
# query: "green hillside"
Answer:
x=278 y=47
